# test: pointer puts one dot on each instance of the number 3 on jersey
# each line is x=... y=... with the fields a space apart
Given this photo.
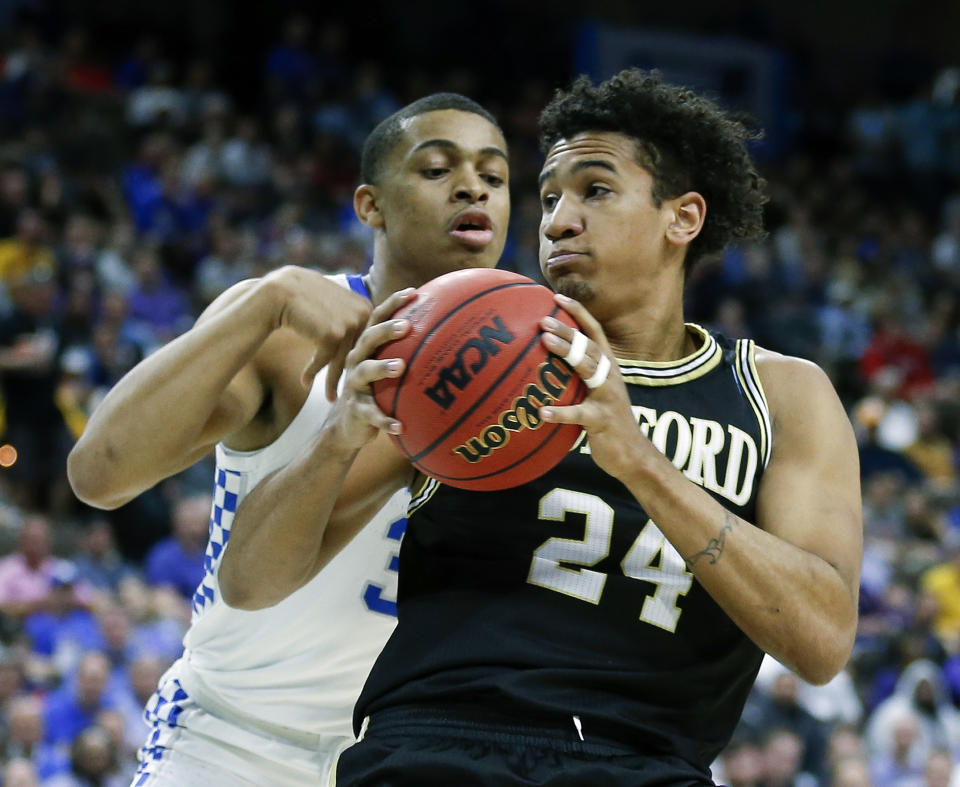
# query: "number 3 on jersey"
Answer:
x=670 y=575
x=373 y=593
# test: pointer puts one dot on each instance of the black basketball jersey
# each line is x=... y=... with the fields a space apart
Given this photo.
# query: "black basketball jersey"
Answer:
x=561 y=598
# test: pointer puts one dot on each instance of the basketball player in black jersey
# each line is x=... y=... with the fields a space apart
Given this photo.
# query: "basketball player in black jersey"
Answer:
x=603 y=624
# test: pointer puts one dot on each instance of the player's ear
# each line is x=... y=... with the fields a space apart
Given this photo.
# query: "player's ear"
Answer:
x=367 y=206
x=689 y=213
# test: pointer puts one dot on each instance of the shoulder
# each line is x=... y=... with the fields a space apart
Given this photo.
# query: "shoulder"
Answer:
x=803 y=403
x=778 y=371
x=793 y=382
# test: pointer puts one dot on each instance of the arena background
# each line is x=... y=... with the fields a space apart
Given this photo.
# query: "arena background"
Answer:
x=153 y=154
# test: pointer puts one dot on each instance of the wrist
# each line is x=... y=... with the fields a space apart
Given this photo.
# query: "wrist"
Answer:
x=648 y=467
x=338 y=442
x=269 y=300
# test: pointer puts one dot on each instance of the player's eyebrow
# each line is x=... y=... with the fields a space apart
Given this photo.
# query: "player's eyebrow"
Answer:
x=449 y=144
x=577 y=167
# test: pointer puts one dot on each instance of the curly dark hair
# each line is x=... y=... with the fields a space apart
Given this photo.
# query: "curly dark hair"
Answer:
x=686 y=141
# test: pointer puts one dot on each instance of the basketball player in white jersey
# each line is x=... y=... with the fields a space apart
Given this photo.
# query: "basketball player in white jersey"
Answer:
x=278 y=649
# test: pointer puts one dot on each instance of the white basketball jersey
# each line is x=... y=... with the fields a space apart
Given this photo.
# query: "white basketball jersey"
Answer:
x=299 y=665
x=302 y=662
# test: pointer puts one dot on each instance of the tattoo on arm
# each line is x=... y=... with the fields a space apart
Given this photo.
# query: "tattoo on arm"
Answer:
x=714 y=548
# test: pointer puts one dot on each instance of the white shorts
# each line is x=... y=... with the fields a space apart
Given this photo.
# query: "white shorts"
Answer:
x=193 y=748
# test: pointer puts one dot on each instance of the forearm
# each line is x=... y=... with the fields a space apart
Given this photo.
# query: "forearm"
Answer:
x=154 y=420
x=793 y=604
x=278 y=531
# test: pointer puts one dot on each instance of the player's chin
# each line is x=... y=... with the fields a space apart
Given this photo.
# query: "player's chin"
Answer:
x=477 y=258
x=572 y=287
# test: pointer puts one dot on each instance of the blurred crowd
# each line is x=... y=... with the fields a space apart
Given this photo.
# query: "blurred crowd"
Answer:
x=133 y=190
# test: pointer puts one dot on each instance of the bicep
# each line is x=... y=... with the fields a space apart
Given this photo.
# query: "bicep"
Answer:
x=238 y=404
x=810 y=492
x=243 y=397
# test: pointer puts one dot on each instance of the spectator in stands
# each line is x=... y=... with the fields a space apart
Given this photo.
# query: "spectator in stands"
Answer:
x=941 y=770
x=903 y=761
x=74 y=706
x=230 y=261
x=144 y=673
x=782 y=760
x=741 y=763
x=141 y=179
x=932 y=451
x=25 y=575
x=26 y=740
x=158 y=103
x=98 y=562
x=27 y=251
x=20 y=773
x=246 y=158
x=65 y=629
x=118 y=343
x=778 y=708
x=118 y=727
x=155 y=302
x=851 y=772
x=920 y=691
x=941 y=584
x=93 y=762
x=177 y=561
x=894 y=346
x=113 y=262
x=159 y=617
x=30 y=349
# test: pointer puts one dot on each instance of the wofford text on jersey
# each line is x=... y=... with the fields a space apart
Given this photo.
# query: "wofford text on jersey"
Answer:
x=695 y=445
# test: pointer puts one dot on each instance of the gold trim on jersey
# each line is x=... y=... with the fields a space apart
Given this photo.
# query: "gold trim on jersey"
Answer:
x=660 y=373
x=427 y=491
x=746 y=370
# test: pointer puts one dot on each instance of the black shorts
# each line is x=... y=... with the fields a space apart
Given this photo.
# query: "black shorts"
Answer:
x=403 y=748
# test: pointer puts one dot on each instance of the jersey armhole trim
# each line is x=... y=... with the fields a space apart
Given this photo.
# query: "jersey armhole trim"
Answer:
x=746 y=369
x=427 y=491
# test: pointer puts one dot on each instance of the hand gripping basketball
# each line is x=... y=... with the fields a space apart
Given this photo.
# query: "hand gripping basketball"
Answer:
x=576 y=355
x=356 y=415
x=475 y=377
x=589 y=355
x=605 y=413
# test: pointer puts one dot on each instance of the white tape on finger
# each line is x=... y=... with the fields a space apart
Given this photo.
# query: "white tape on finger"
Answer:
x=578 y=349
x=599 y=377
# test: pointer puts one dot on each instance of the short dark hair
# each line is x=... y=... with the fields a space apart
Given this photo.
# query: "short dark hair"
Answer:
x=389 y=131
x=685 y=140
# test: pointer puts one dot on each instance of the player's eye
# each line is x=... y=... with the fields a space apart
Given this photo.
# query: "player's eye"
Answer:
x=548 y=201
x=434 y=172
x=494 y=180
x=596 y=190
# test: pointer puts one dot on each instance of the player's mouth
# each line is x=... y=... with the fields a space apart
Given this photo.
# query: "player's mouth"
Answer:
x=561 y=257
x=472 y=228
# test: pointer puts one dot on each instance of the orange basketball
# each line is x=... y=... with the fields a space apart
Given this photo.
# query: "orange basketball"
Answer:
x=476 y=375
